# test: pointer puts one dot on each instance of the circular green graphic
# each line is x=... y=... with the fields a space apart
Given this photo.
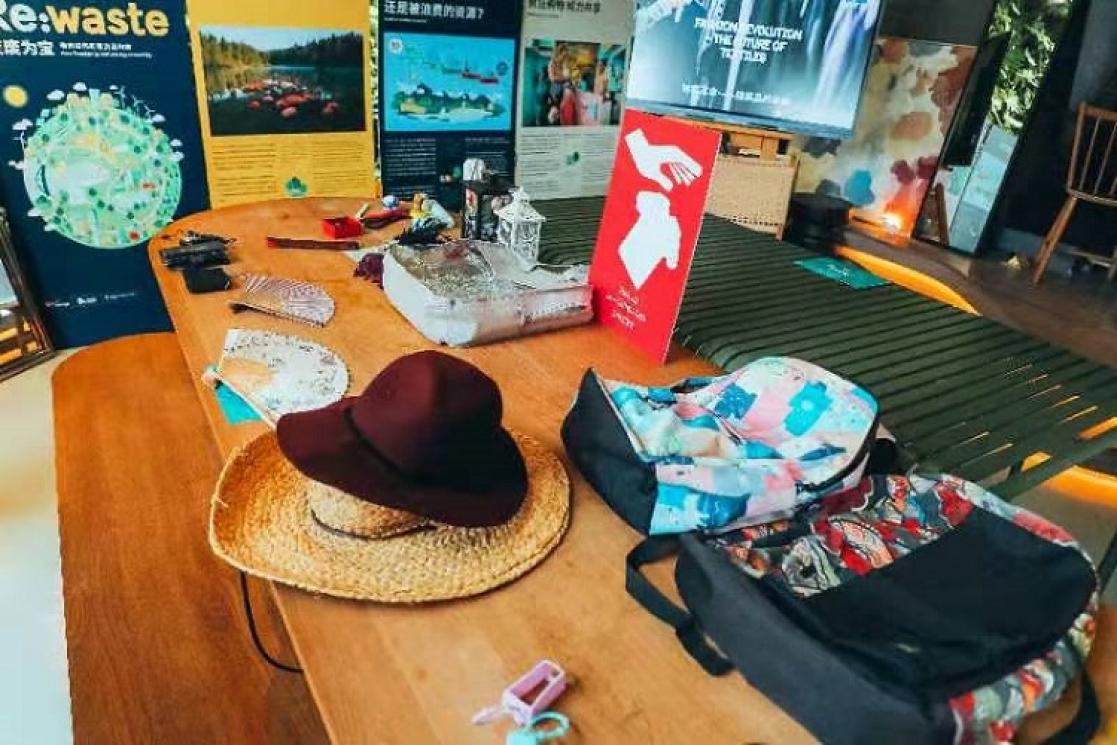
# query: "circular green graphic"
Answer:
x=98 y=170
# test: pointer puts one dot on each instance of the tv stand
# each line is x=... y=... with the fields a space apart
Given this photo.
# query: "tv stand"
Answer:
x=767 y=144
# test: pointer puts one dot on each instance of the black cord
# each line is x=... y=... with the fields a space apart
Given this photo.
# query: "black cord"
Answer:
x=1108 y=563
x=255 y=632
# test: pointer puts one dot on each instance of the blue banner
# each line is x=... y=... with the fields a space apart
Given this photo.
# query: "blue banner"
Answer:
x=101 y=152
x=447 y=92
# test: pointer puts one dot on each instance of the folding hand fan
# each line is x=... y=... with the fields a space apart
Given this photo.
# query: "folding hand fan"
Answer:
x=277 y=374
x=286 y=298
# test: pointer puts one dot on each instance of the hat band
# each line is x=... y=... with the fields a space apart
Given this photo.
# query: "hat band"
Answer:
x=346 y=513
x=357 y=536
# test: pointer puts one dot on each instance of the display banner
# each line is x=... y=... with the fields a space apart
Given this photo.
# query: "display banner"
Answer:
x=283 y=98
x=447 y=92
x=650 y=226
x=101 y=153
x=572 y=77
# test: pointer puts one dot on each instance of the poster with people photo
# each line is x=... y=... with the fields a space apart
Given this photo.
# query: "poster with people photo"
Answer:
x=572 y=95
x=569 y=83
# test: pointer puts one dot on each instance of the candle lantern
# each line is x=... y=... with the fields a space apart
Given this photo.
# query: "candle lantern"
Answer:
x=480 y=201
x=483 y=193
x=520 y=227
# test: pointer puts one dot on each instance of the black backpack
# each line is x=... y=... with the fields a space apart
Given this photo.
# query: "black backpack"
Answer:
x=908 y=609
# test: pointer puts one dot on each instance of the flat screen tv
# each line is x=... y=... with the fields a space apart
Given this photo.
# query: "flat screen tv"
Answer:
x=792 y=65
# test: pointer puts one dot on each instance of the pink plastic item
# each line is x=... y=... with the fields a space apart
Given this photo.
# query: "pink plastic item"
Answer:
x=529 y=696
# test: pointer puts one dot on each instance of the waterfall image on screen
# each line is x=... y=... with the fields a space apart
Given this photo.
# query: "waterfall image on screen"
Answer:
x=794 y=65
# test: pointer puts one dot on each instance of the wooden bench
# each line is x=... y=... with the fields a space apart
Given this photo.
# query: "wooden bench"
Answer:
x=157 y=643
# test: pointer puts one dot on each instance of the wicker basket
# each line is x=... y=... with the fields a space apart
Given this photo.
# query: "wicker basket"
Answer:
x=753 y=192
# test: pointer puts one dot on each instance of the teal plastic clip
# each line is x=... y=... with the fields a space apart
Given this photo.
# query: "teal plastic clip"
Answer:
x=536 y=731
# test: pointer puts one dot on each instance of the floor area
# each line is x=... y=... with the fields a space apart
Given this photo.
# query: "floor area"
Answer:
x=34 y=687
x=1075 y=311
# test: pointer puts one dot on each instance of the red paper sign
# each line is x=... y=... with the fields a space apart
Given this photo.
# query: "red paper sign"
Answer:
x=653 y=213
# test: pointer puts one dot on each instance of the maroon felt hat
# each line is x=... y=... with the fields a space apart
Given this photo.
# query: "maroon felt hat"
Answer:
x=424 y=437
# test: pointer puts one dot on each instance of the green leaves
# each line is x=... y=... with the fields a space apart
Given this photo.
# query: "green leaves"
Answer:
x=1035 y=26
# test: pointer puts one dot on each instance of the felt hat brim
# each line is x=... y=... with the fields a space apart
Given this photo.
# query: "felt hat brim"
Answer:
x=261 y=522
x=325 y=445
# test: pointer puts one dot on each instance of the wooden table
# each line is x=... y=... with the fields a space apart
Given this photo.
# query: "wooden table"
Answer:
x=392 y=674
x=396 y=674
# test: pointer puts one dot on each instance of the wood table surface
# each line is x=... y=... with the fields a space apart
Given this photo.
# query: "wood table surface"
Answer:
x=415 y=674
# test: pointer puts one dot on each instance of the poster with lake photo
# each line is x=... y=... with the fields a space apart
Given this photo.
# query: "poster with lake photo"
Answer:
x=262 y=81
x=284 y=98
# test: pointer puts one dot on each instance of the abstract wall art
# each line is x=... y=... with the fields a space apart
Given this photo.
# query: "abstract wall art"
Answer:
x=887 y=167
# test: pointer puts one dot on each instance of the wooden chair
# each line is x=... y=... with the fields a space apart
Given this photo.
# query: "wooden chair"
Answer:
x=1091 y=177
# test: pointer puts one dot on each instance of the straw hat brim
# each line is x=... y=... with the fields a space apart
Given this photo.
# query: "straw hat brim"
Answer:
x=261 y=523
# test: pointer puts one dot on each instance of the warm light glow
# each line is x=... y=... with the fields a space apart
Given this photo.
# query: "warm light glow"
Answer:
x=893 y=222
x=907 y=277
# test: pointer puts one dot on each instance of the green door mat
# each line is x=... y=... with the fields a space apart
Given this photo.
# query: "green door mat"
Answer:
x=848 y=274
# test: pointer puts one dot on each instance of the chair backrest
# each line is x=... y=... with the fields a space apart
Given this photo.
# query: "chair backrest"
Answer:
x=1093 y=162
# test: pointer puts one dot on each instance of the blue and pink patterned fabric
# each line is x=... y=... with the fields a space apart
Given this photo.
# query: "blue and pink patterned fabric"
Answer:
x=854 y=533
x=748 y=447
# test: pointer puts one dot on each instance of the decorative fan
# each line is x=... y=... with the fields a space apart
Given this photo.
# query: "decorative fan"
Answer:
x=286 y=298
x=277 y=374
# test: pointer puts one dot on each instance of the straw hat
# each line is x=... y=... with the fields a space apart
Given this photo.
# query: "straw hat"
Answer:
x=262 y=522
x=348 y=500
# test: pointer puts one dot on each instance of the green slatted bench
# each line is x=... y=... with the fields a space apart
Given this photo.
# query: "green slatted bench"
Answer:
x=963 y=394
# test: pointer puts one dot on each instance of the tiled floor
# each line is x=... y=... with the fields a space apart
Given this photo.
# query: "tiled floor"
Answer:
x=34 y=689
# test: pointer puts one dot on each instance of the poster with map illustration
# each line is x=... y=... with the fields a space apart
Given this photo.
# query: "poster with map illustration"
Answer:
x=437 y=83
x=447 y=92
x=99 y=154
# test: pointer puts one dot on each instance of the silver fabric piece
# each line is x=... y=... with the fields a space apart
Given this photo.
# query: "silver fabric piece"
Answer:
x=470 y=292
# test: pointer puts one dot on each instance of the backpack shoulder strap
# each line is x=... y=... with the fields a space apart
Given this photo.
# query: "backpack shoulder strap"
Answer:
x=659 y=605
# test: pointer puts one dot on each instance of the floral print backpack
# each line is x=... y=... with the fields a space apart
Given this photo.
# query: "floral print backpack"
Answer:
x=913 y=609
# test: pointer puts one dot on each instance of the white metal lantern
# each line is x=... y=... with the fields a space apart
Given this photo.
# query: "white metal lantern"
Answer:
x=519 y=228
